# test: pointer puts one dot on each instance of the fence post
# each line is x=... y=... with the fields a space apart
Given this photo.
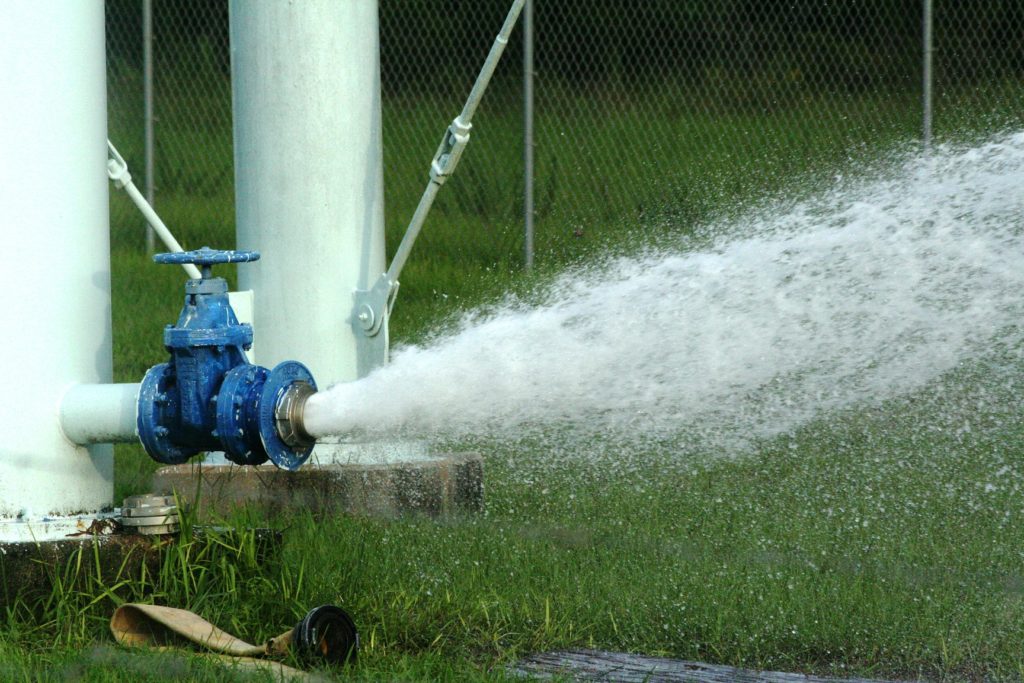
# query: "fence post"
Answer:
x=528 y=132
x=926 y=133
x=147 y=94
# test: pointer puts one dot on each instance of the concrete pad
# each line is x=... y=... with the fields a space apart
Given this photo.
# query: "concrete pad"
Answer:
x=450 y=483
x=625 y=667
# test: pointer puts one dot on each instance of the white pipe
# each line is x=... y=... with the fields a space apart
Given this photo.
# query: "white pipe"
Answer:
x=100 y=413
x=56 y=281
x=308 y=175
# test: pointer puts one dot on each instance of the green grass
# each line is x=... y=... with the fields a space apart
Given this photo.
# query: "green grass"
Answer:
x=858 y=545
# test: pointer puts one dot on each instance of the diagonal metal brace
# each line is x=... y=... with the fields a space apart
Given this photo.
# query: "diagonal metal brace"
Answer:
x=373 y=306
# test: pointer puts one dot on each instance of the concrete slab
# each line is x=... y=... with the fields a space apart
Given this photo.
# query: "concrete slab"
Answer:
x=624 y=667
x=449 y=483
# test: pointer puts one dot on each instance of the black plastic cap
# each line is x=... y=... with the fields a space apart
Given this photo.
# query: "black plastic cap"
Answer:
x=327 y=633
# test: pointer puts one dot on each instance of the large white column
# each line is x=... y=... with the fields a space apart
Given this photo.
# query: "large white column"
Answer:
x=308 y=176
x=54 y=237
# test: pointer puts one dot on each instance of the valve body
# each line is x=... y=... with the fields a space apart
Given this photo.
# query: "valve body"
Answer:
x=208 y=396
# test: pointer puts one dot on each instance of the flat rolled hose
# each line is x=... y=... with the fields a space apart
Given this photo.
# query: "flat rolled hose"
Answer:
x=158 y=626
x=326 y=634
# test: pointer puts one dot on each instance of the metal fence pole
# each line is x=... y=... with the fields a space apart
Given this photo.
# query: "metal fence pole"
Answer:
x=926 y=133
x=528 y=132
x=147 y=94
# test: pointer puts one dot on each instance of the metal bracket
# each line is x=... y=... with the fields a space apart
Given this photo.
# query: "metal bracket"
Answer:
x=373 y=306
x=450 y=150
x=117 y=167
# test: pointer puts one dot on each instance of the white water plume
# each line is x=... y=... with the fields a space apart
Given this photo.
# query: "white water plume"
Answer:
x=869 y=291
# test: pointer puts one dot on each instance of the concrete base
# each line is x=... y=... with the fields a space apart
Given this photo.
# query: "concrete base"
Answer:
x=438 y=485
x=28 y=570
x=33 y=530
x=599 y=665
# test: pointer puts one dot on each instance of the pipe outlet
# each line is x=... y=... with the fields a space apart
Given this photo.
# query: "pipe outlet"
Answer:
x=289 y=415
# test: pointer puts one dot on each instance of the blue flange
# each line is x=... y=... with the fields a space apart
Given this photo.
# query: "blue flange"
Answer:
x=158 y=407
x=238 y=414
x=278 y=382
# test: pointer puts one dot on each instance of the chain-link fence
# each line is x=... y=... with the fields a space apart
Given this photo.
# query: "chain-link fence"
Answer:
x=645 y=112
x=193 y=178
x=979 y=65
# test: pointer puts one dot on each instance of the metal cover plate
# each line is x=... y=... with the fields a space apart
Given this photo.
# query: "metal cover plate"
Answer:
x=150 y=511
x=148 y=500
x=149 y=521
x=158 y=530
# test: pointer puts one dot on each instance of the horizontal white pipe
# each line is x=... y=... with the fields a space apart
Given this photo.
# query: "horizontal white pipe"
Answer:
x=100 y=413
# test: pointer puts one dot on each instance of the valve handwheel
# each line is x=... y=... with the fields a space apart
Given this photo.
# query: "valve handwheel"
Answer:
x=207 y=257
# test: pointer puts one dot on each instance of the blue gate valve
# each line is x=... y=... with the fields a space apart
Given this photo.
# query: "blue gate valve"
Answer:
x=208 y=396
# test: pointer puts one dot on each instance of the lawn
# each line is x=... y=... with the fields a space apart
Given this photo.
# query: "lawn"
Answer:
x=876 y=542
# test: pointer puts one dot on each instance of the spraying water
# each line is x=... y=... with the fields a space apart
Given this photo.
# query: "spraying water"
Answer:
x=866 y=292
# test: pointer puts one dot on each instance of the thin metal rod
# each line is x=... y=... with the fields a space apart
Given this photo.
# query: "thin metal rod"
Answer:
x=528 y=134
x=147 y=94
x=498 y=47
x=442 y=166
x=926 y=86
x=117 y=170
x=159 y=227
x=418 y=218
